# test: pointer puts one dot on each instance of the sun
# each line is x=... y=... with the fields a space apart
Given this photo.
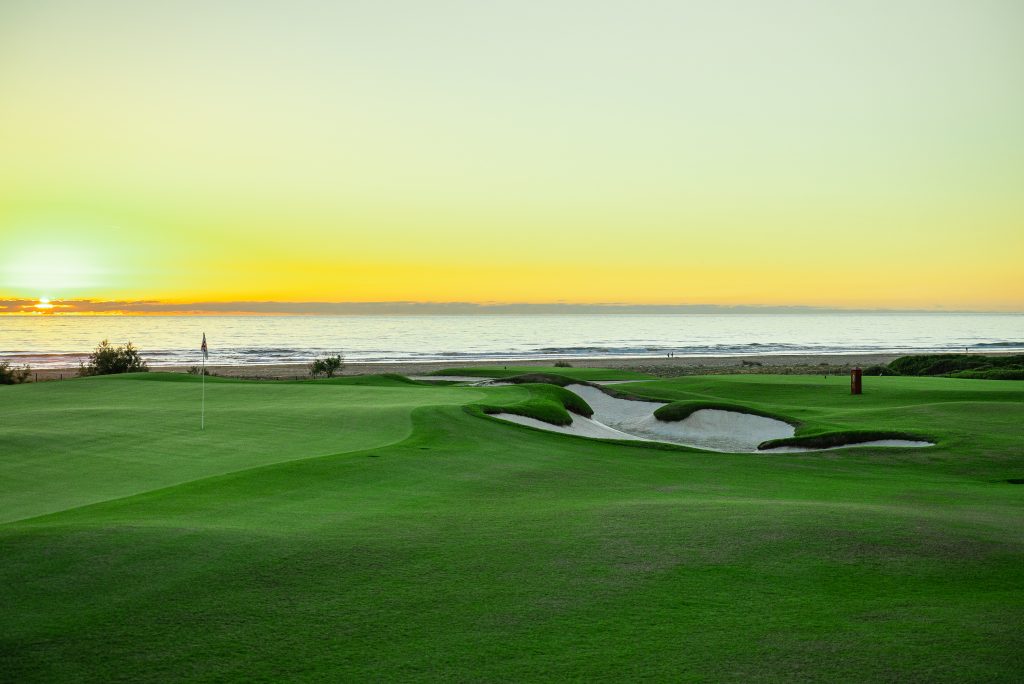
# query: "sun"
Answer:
x=44 y=304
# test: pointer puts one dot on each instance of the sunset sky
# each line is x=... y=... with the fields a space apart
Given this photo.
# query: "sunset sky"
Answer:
x=857 y=154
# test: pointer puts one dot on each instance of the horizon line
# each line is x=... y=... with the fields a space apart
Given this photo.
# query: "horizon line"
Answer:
x=149 y=307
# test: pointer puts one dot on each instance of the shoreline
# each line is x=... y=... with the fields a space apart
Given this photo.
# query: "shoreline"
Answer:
x=809 y=364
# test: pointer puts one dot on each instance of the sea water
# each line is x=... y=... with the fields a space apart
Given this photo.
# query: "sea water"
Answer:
x=233 y=340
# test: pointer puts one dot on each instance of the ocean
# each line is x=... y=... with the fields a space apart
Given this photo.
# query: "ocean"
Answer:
x=56 y=341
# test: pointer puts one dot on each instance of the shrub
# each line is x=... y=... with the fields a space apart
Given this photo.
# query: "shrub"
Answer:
x=563 y=364
x=198 y=370
x=108 y=359
x=327 y=366
x=9 y=375
x=879 y=370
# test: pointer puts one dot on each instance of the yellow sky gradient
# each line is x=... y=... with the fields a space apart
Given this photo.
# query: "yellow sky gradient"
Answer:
x=778 y=153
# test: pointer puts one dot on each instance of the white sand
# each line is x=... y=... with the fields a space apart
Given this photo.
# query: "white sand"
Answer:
x=624 y=419
x=582 y=427
x=709 y=429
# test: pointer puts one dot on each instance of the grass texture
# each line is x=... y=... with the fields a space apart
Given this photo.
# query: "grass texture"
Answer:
x=377 y=530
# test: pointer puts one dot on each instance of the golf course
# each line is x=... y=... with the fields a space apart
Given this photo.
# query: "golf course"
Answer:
x=378 y=528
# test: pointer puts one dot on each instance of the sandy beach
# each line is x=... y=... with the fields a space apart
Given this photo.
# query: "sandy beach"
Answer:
x=659 y=367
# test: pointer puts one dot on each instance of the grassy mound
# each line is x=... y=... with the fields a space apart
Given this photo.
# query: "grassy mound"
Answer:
x=548 y=403
x=991 y=374
x=379 y=380
x=585 y=374
x=946 y=364
x=543 y=378
x=829 y=440
x=681 y=410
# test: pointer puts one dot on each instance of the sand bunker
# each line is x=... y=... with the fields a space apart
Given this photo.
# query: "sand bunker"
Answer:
x=492 y=382
x=709 y=429
x=582 y=427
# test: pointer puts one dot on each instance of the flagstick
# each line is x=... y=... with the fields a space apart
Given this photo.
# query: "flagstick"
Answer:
x=202 y=413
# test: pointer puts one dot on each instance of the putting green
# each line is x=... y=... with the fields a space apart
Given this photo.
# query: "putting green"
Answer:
x=377 y=529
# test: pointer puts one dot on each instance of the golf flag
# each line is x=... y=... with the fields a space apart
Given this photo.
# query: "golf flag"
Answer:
x=202 y=410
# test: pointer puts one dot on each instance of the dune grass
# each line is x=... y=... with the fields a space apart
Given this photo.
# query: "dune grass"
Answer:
x=339 y=531
x=974 y=366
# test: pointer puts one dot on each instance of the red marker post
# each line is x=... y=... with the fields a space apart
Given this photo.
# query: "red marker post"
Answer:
x=855 y=381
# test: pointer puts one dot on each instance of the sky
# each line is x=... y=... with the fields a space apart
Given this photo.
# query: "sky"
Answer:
x=775 y=153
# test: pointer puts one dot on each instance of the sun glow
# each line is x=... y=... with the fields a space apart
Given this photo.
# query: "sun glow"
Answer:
x=778 y=163
x=44 y=304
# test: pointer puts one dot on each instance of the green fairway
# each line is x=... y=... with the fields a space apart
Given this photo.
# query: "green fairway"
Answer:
x=380 y=530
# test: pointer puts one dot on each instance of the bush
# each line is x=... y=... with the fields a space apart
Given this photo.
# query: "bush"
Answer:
x=327 y=366
x=197 y=370
x=563 y=364
x=9 y=375
x=108 y=359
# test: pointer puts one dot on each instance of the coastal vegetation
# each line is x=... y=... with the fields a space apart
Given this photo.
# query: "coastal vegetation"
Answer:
x=327 y=366
x=974 y=366
x=373 y=527
x=11 y=375
x=110 y=359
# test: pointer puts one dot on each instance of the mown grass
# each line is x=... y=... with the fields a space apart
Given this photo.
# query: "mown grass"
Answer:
x=330 y=531
x=681 y=410
x=549 y=403
x=829 y=440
